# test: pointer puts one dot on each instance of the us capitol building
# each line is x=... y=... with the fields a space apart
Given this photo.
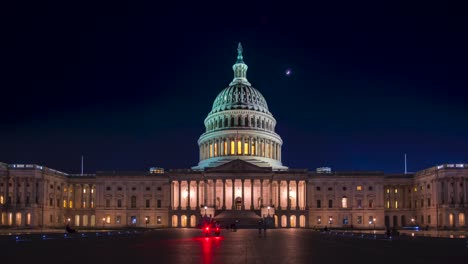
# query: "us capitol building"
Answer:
x=240 y=177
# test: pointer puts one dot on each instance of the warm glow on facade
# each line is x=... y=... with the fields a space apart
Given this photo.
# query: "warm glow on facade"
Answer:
x=70 y=204
x=233 y=147
x=2 y=199
x=396 y=204
x=216 y=149
x=246 y=148
x=225 y=148
x=344 y=202
x=64 y=203
x=359 y=188
x=239 y=147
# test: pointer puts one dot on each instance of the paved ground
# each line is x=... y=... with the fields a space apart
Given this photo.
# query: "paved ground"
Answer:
x=243 y=246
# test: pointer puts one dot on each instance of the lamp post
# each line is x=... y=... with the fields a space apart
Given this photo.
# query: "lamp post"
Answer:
x=146 y=221
x=103 y=222
x=268 y=211
x=412 y=221
x=374 y=224
x=205 y=209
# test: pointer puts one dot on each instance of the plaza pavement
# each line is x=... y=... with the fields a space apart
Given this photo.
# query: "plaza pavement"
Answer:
x=244 y=246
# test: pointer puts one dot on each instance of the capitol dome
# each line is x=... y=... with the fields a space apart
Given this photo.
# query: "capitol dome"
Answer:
x=240 y=126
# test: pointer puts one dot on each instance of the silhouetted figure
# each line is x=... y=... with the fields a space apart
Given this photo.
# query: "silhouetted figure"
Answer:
x=69 y=229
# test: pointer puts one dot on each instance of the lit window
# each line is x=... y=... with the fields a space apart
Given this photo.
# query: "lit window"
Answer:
x=388 y=190
x=70 y=204
x=253 y=148
x=2 y=201
x=211 y=150
x=233 y=147
x=359 y=219
x=246 y=148
x=396 y=204
x=108 y=219
x=396 y=190
x=344 y=202
x=64 y=203
x=225 y=148
x=216 y=149
x=388 y=204
x=359 y=188
x=239 y=147
x=415 y=189
x=92 y=190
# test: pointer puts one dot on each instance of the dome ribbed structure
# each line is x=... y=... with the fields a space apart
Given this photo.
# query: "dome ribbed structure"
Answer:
x=240 y=126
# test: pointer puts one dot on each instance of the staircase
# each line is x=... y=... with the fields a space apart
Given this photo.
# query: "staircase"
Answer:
x=246 y=219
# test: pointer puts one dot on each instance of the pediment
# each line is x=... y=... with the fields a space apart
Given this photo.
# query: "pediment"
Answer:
x=238 y=165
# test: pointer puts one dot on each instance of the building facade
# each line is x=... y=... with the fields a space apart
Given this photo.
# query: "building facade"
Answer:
x=240 y=176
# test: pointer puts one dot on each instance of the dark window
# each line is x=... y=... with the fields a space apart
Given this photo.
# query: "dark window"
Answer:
x=133 y=204
x=58 y=202
x=159 y=188
x=51 y=202
x=147 y=203
x=370 y=188
x=319 y=204
x=107 y=203
x=148 y=188
x=359 y=203
x=58 y=188
x=344 y=188
x=330 y=188
x=51 y=186
x=119 y=188
x=133 y=188
x=119 y=203
x=371 y=203
x=428 y=186
x=27 y=199
x=422 y=202
x=18 y=199
x=428 y=219
x=108 y=188
x=159 y=203
x=318 y=188
x=428 y=202
x=330 y=203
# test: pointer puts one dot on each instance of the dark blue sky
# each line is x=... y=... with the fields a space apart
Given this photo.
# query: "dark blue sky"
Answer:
x=128 y=86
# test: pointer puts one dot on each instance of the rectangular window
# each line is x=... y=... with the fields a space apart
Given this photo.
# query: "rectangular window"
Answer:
x=344 y=202
x=396 y=204
x=359 y=219
x=58 y=203
x=415 y=203
x=108 y=219
x=330 y=203
x=317 y=188
x=388 y=190
x=119 y=203
x=159 y=219
x=133 y=220
x=159 y=203
x=388 y=204
x=396 y=190
x=345 y=220
x=246 y=148
x=70 y=204
x=107 y=203
x=319 y=220
x=133 y=202
x=422 y=203
x=147 y=203
x=216 y=149
x=51 y=202
x=225 y=148
x=117 y=219
x=428 y=219
x=211 y=150
x=159 y=188
x=64 y=203
x=319 y=204
x=422 y=219
x=371 y=219
x=359 y=188
x=239 y=147
x=428 y=202
x=330 y=220
x=359 y=203
x=371 y=203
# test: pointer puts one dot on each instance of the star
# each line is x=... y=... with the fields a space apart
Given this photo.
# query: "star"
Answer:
x=288 y=72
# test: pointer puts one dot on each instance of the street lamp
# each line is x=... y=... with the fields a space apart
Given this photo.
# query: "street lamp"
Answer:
x=412 y=221
x=205 y=209
x=103 y=222
x=268 y=211
x=374 y=224
x=146 y=221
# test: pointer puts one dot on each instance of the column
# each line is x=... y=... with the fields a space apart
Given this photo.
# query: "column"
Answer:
x=224 y=194
x=271 y=192
x=287 y=197
x=188 y=195
x=180 y=195
x=306 y=194
x=279 y=195
x=214 y=193
x=261 y=193
x=297 y=195
x=251 y=194
x=243 y=206
x=205 y=190
x=233 y=197
x=198 y=195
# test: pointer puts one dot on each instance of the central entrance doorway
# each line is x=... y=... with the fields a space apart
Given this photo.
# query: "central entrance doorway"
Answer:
x=238 y=203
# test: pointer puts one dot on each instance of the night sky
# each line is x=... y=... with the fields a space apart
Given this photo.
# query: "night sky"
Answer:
x=128 y=86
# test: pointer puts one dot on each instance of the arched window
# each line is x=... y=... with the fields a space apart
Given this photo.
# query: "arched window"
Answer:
x=239 y=121
x=252 y=122
x=263 y=123
x=461 y=219
x=232 y=121
x=246 y=123
x=225 y=122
